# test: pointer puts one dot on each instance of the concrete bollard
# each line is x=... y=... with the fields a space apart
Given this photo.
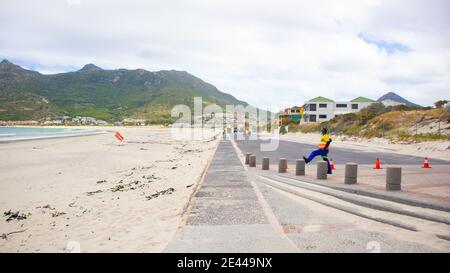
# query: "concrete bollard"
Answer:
x=282 y=165
x=394 y=178
x=300 y=167
x=351 y=173
x=252 y=161
x=266 y=163
x=247 y=158
x=322 y=170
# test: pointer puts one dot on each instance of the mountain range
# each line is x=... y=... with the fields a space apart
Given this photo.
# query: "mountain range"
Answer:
x=394 y=98
x=110 y=95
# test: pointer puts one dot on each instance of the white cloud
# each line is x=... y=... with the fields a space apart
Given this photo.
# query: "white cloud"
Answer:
x=264 y=52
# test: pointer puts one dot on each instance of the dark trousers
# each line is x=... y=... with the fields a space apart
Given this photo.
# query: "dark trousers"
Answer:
x=324 y=154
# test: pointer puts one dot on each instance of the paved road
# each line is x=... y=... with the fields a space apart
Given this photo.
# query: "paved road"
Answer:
x=293 y=150
x=234 y=211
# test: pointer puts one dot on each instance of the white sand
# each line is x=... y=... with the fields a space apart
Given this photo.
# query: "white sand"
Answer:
x=431 y=149
x=43 y=178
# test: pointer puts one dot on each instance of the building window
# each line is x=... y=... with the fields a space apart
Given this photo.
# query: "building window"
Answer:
x=312 y=118
x=322 y=116
x=355 y=106
x=323 y=105
x=312 y=107
x=341 y=105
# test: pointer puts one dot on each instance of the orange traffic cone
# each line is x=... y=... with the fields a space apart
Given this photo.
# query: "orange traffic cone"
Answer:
x=426 y=165
x=332 y=164
x=377 y=164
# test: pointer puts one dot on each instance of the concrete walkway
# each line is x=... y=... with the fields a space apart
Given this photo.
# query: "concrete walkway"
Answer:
x=226 y=215
x=236 y=210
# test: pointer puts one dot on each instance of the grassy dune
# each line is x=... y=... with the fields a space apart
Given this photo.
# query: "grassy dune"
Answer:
x=399 y=123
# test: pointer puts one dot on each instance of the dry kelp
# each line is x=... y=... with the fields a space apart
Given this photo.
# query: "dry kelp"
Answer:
x=159 y=193
x=10 y=215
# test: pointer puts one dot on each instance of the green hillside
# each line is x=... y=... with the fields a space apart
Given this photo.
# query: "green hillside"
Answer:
x=110 y=95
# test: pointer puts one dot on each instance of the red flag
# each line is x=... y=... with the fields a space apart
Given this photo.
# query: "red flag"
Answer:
x=119 y=136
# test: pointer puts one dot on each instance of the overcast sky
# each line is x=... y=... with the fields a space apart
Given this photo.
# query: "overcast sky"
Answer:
x=264 y=52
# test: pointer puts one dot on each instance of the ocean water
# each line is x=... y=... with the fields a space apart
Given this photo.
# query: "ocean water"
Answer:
x=13 y=133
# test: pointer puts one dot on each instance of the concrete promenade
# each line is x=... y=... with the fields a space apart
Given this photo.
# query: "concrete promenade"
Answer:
x=240 y=210
x=226 y=215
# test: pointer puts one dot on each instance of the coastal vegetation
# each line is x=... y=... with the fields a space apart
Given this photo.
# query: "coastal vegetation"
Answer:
x=399 y=123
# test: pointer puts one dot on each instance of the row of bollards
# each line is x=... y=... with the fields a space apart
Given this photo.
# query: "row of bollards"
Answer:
x=252 y=161
x=351 y=173
x=266 y=163
x=282 y=165
x=322 y=170
x=394 y=179
x=247 y=158
x=300 y=167
x=393 y=174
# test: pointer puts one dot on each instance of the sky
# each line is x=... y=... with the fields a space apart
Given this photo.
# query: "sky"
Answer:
x=263 y=52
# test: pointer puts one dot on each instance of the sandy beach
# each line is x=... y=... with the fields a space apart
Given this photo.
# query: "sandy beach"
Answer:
x=96 y=194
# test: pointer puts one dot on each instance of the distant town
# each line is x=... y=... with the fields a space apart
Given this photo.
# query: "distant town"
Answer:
x=74 y=121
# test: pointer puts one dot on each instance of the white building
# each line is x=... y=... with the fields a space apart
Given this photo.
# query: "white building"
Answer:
x=133 y=122
x=388 y=103
x=322 y=109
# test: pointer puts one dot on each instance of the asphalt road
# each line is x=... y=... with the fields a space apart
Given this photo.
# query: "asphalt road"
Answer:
x=295 y=150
